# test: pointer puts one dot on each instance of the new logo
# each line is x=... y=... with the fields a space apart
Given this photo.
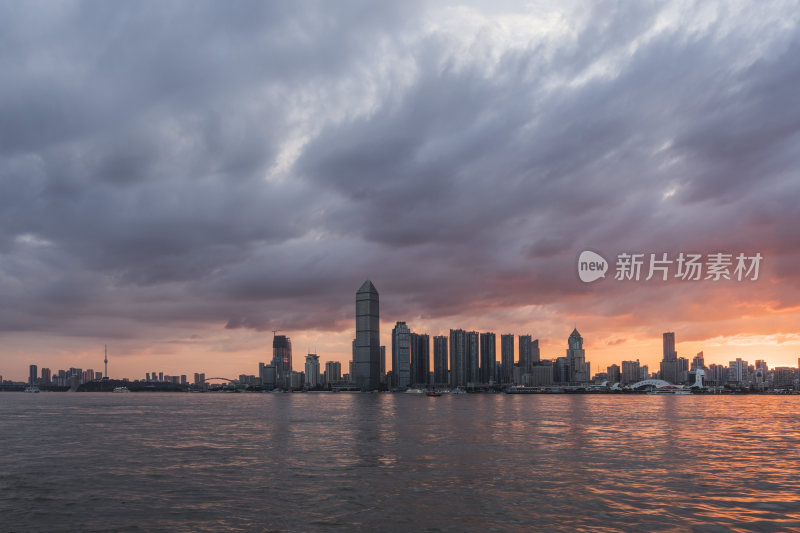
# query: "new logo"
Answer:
x=591 y=266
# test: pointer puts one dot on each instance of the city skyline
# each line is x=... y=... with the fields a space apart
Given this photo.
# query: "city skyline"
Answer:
x=471 y=366
x=236 y=173
x=465 y=348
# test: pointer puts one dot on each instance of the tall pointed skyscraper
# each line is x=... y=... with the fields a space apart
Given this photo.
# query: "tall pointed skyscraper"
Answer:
x=576 y=359
x=367 y=359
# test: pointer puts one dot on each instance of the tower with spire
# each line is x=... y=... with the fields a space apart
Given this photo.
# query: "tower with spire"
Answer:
x=576 y=359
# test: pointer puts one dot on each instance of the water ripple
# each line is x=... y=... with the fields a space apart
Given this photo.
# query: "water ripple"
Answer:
x=338 y=462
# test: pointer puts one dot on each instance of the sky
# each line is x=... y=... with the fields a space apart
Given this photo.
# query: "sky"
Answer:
x=180 y=179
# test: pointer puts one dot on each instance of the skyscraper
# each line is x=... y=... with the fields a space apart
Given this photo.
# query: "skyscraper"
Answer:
x=737 y=371
x=382 y=374
x=312 y=370
x=488 y=345
x=473 y=356
x=698 y=362
x=401 y=355
x=669 y=363
x=576 y=358
x=630 y=372
x=458 y=358
x=507 y=358
x=669 y=346
x=333 y=372
x=440 y=360
x=420 y=359
x=525 y=361
x=33 y=375
x=367 y=365
x=282 y=360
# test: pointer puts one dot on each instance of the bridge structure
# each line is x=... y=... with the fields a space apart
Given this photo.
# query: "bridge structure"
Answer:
x=221 y=379
x=659 y=383
x=656 y=383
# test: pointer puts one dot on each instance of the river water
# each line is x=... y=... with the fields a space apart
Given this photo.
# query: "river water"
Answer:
x=398 y=462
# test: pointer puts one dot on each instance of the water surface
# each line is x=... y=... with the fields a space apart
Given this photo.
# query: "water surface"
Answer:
x=395 y=462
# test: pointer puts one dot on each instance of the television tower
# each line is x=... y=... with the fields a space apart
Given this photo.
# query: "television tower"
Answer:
x=106 y=362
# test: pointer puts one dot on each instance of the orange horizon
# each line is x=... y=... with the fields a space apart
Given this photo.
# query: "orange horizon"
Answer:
x=239 y=352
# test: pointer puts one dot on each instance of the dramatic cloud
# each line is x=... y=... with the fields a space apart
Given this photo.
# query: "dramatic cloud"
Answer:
x=194 y=174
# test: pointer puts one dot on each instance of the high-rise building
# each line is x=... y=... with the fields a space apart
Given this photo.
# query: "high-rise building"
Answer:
x=525 y=361
x=312 y=370
x=458 y=358
x=682 y=369
x=576 y=359
x=368 y=351
x=630 y=372
x=737 y=371
x=716 y=375
x=669 y=364
x=669 y=346
x=507 y=358
x=333 y=372
x=46 y=376
x=561 y=370
x=420 y=359
x=698 y=362
x=282 y=360
x=473 y=357
x=33 y=375
x=535 y=355
x=382 y=376
x=488 y=356
x=440 y=360
x=401 y=355
x=613 y=373
x=268 y=375
x=784 y=377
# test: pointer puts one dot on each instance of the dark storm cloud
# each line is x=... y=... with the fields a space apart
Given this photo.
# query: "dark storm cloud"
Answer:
x=148 y=172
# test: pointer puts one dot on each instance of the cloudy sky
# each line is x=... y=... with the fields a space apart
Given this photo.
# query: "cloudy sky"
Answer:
x=178 y=179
